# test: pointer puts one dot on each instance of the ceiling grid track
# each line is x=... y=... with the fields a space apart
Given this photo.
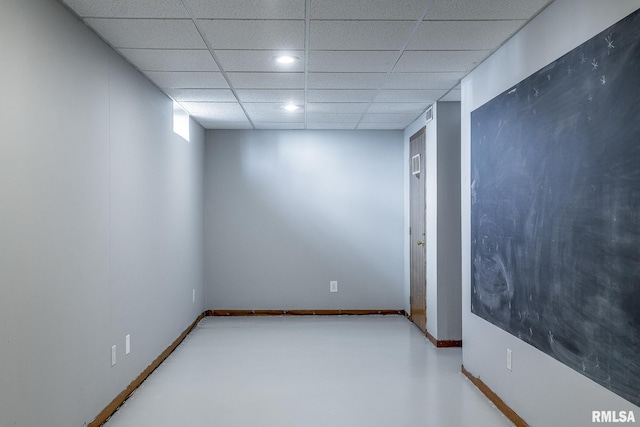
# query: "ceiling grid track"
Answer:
x=397 y=59
x=218 y=63
x=307 y=44
x=373 y=64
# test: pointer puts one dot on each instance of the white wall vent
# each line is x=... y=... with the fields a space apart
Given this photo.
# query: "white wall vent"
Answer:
x=415 y=165
x=429 y=114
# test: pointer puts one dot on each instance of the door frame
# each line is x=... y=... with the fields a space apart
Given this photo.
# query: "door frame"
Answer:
x=417 y=234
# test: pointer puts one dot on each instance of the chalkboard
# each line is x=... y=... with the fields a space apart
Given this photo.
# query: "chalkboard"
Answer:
x=555 y=209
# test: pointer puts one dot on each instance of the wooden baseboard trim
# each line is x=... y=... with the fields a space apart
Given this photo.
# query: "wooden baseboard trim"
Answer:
x=303 y=312
x=124 y=395
x=495 y=399
x=443 y=343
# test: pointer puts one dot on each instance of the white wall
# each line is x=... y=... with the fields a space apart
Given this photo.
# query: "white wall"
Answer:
x=540 y=389
x=101 y=220
x=288 y=211
x=442 y=219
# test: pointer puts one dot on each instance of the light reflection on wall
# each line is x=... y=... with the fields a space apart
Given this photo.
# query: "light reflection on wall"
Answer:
x=335 y=192
x=180 y=121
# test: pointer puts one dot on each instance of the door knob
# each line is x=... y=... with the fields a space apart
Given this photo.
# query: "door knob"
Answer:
x=420 y=243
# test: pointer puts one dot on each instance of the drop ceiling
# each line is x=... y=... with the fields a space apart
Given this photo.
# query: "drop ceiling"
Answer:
x=363 y=64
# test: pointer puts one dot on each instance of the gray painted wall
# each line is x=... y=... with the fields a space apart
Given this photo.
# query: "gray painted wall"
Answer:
x=288 y=211
x=449 y=292
x=101 y=219
x=538 y=386
x=442 y=165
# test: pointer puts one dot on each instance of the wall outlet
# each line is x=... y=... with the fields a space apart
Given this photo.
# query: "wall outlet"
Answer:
x=193 y=296
x=508 y=359
x=113 y=355
x=127 y=344
x=333 y=286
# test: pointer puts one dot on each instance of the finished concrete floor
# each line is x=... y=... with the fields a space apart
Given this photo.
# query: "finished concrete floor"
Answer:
x=311 y=371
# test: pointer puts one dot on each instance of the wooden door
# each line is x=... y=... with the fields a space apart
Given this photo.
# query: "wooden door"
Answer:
x=417 y=230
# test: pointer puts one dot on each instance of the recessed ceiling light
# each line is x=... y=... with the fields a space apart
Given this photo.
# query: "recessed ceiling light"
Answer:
x=285 y=59
x=291 y=107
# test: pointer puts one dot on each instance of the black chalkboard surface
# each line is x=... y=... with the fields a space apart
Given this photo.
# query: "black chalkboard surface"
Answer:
x=555 y=209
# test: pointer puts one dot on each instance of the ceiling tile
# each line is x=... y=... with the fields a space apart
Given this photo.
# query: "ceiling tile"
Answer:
x=367 y=9
x=345 y=95
x=247 y=34
x=351 y=61
x=415 y=95
x=324 y=125
x=267 y=80
x=485 y=9
x=268 y=125
x=337 y=107
x=359 y=35
x=352 y=64
x=454 y=95
x=226 y=111
x=128 y=8
x=188 y=80
x=332 y=118
x=345 y=80
x=269 y=108
x=247 y=9
x=383 y=126
x=258 y=60
x=462 y=35
x=422 y=80
x=414 y=108
x=222 y=124
x=277 y=96
x=201 y=95
x=438 y=61
x=273 y=113
x=148 y=33
x=170 y=60
x=389 y=118
x=263 y=113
